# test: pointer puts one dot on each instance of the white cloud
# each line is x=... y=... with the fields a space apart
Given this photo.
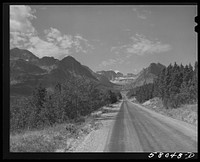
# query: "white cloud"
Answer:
x=117 y=49
x=24 y=35
x=79 y=37
x=53 y=34
x=142 y=16
x=21 y=28
x=140 y=45
x=19 y=39
x=57 y=44
x=141 y=13
x=66 y=41
x=110 y=62
x=82 y=44
x=144 y=46
x=43 y=48
x=20 y=16
x=16 y=37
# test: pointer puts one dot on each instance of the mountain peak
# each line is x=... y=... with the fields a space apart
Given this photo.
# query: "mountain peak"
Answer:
x=153 y=64
x=47 y=61
x=69 y=57
x=155 y=68
x=24 y=54
x=69 y=60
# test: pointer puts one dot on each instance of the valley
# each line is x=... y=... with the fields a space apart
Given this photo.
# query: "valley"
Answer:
x=47 y=94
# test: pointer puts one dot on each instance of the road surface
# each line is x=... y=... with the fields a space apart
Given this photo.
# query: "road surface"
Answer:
x=138 y=129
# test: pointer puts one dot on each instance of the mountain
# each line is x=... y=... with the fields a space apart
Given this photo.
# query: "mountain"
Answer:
x=118 y=78
x=23 y=54
x=131 y=75
x=47 y=61
x=110 y=75
x=104 y=80
x=27 y=71
x=118 y=74
x=25 y=67
x=74 y=67
x=147 y=75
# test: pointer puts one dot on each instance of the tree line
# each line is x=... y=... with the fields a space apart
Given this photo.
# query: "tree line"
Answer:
x=75 y=98
x=175 y=85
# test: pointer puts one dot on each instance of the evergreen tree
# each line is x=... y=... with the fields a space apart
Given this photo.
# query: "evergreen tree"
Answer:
x=175 y=85
x=176 y=80
x=167 y=81
x=188 y=73
x=160 y=84
x=193 y=86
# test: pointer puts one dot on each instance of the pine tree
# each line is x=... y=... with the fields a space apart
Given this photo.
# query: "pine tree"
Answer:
x=188 y=73
x=160 y=84
x=193 y=86
x=176 y=80
x=167 y=81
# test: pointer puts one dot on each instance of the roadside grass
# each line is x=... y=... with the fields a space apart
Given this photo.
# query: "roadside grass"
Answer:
x=46 y=140
x=187 y=113
x=57 y=138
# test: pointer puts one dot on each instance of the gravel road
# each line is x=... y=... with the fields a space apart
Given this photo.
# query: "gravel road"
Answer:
x=129 y=127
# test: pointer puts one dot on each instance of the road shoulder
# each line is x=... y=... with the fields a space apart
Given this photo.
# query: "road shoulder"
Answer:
x=96 y=140
x=178 y=124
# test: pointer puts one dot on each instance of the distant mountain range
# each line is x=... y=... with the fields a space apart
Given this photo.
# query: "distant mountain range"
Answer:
x=110 y=74
x=147 y=75
x=27 y=71
x=118 y=78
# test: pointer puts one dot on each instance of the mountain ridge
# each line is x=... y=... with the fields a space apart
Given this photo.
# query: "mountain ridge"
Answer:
x=27 y=70
x=147 y=75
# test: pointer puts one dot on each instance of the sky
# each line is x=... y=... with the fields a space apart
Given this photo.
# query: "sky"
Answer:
x=126 y=38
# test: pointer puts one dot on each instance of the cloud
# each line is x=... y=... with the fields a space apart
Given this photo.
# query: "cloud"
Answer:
x=117 y=49
x=140 y=45
x=65 y=41
x=16 y=39
x=82 y=44
x=57 y=44
x=43 y=48
x=141 y=13
x=20 y=18
x=21 y=28
x=144 y=46
x=110 y=62
x=52 y=34
x=24 y=35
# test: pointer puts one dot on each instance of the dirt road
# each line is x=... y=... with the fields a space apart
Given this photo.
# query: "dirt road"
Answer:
x=137 y=129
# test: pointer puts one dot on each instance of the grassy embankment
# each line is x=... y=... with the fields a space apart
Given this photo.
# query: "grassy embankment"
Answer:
x=187 y=113
x=58 y=138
